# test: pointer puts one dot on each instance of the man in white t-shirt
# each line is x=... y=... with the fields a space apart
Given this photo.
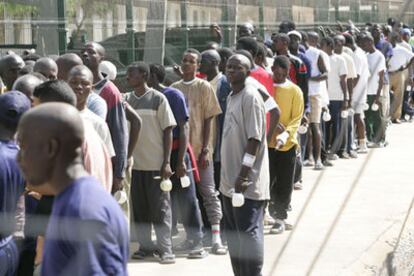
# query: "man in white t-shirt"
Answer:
x=338 y=95
x=347 y=147
x=399 y=63
x=316 y=81
x=359 y=95
x=375 y=126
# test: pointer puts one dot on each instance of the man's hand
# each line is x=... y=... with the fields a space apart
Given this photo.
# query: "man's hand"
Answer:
x=280 y=128
x=279 y=144
x=117 y=185
x=203 y=160
x=305 y=119
x=216 y=31
x=377 y=101
x=177 y=70
x=181 y=169
x=241 y=185
x=166 y=171
x=345 y=105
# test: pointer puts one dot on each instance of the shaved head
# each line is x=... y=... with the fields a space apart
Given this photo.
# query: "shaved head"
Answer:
x=245 y=62
x=211 y=55
x=47 y=67
x=98 y=47
x=50 y=136
x=81 y=70
x=65 y=63
x=27 y=84
x=10 y=66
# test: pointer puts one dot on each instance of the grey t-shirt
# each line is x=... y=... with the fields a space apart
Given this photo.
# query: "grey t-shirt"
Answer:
x=245 y=119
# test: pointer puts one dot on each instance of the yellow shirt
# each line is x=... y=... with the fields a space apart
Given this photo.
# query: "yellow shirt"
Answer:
x=289 y=97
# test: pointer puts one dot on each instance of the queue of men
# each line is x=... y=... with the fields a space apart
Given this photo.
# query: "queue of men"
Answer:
x=220 y=150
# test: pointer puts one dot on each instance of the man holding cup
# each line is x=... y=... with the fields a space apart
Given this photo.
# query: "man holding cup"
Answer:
x=244 y=179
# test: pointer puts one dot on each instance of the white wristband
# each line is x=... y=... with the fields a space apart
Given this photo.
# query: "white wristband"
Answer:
x=283 y=137
x=248 y=160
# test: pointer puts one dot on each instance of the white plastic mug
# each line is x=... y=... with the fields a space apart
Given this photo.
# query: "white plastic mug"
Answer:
x=121 y=197
x=366 y=106
x=326 y=116
x=166 y=185
x=374 y=107
x=237 y=200
x=302 y=129
x=344 y=114
x=185 y=181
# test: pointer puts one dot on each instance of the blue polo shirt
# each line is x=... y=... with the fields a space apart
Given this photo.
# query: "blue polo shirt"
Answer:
x=11 y=187
x=178 y=106
x=87 y=233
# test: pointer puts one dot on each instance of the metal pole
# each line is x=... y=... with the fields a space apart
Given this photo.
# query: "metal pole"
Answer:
x=61 y=26
x=184 y=22
x=261 y=19
x=130 y=32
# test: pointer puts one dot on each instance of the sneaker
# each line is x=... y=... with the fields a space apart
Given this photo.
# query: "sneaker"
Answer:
x=218 y=249
x=327 y=163
x=288 y=226
x=343 y=155
x=141 y=254
x=308 y=163
x=184 y=246
x=278 y=228
x=333 y=157
x=363 y=149
x=371 y=145
x=318 y=166
x=353 y=154
x=298 y=185
x=268 y=220
x=197 y=252
x=174 y=231
x=166 y=258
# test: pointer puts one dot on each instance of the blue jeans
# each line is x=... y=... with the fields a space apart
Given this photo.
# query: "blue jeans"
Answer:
x=9 y=258
x=184 y=202
x=244 y=232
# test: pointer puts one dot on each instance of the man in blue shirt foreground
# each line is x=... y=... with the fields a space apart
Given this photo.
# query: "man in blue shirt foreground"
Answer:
x=87 y=232
x=12 y=105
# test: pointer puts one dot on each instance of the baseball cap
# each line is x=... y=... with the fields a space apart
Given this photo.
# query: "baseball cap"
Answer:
x=296 y=33
x=405 y=31
x=12 y=106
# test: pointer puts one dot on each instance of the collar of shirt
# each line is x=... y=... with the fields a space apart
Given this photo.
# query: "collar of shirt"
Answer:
x=284 y=84
x=189 y=82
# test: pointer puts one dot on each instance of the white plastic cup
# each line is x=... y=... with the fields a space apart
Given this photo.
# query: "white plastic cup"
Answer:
x=185 y=181
x=121 y=197
x=166 y=185
x=366 y=106
x=344 y=114
x=302 y=129
x=237 y=200
x=326 y=116
x=374 y=107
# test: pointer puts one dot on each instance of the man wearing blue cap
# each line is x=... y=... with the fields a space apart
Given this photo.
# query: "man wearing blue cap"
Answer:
x=405 y=37
x=12 y=105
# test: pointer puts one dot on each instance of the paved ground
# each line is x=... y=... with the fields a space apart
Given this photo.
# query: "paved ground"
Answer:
x=346 y=219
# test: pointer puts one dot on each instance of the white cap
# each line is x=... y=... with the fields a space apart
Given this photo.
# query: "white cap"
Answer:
x=109 y=69
x=294 y=32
